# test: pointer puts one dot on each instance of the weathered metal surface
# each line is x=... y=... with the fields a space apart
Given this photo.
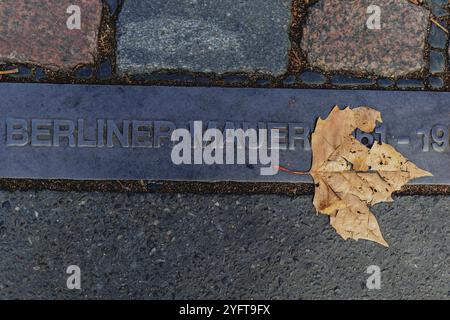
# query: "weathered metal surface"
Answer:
x=415 y=123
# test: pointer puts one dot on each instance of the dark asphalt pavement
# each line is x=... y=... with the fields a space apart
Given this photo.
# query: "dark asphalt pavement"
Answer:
x=214 y=247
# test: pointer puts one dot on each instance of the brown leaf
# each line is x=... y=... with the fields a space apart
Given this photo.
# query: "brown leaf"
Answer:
x=349 y=176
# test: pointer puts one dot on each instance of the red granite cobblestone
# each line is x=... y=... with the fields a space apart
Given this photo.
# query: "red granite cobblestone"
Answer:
x=36 y=32
x=336 y=38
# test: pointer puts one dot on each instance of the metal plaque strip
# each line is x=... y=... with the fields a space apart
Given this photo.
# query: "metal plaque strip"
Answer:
x=86 y=132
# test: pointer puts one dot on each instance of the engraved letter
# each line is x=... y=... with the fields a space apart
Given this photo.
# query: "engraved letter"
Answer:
x=63 y=128
x=163 y=131
x=82 y=141
x=141 y=134
x=16 y=132
x=282 y=134
x=299 y=131
x=41 y=133
x=100 y=133
x=123 y=136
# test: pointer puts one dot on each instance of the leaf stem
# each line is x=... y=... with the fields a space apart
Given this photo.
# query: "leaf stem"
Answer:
x=290 y=171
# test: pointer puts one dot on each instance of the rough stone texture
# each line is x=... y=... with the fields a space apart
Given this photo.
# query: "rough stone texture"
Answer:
x=35 y=31
x=204 y=36
x=336 y=38
x=215 y=247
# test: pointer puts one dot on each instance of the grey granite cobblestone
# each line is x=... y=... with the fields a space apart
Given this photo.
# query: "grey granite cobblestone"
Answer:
x=204 y=36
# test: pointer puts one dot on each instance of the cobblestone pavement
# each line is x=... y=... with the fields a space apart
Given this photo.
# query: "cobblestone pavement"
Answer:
x=221 y=246
x=258 y=43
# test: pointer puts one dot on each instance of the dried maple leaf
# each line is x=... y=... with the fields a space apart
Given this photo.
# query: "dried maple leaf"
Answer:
x=349 y=176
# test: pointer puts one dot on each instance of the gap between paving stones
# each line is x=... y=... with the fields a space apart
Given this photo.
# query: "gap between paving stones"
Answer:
x=104 y=69
x=239 y=188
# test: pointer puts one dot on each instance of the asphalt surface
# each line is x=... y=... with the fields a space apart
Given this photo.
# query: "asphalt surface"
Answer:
x=166 y=246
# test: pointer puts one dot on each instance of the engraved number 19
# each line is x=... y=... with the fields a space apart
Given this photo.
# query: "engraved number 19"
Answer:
x=438 y=138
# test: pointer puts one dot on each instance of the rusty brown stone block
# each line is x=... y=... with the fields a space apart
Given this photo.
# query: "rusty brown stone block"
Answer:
x=36 y=32
x=336 y=37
